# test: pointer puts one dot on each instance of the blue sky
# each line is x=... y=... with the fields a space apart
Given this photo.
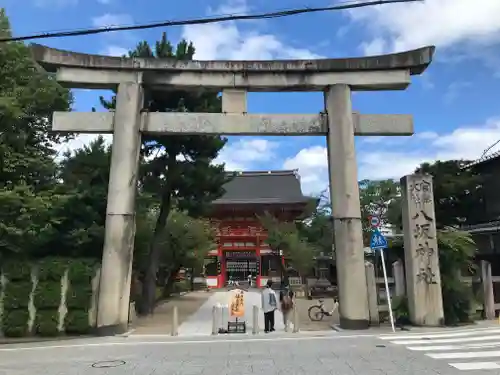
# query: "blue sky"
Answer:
x=455 y=103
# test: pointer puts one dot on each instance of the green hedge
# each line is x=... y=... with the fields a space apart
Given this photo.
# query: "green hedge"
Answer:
x=47 y=323
x=16 y=298
x=15 y=323
x=52 y=269
x=17 y=270
x=77 y=322
x=47 y=296
x=17 y=295
x=79 y=297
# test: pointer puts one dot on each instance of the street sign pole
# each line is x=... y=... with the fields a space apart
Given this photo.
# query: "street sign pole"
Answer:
x=387 y=292
x=378 y=242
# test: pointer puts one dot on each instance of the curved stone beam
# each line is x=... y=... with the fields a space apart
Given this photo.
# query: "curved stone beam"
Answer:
x=415 y=62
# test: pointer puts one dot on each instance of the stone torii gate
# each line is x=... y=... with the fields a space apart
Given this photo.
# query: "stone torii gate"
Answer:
x=337 y=78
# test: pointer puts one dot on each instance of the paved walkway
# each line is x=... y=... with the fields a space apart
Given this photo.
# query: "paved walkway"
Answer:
x=160 y=323
x=200 y=323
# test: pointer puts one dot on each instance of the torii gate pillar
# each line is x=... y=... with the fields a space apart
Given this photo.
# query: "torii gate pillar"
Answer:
x=344 y=195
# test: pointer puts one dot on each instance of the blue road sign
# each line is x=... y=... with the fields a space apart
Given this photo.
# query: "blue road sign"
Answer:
x=378 y=241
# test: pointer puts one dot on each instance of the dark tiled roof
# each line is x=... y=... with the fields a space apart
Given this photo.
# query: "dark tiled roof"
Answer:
x=491 y=226
x=483 y=159
x=264 y=187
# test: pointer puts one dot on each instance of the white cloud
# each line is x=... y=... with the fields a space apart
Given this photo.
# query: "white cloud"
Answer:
x=79 y=142
x=236 y=42
x=468 y=142
x=444 y=23
x=114 y=51
x=232 y=7
x=109 y=19
x=375 y=47
x=313 y=168
x=244 y=153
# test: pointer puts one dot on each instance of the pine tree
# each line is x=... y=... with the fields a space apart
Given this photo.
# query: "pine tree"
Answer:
x=180 y=170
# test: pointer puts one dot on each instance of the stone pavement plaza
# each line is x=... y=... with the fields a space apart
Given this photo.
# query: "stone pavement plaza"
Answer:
x=332 y=353
x=200 y=323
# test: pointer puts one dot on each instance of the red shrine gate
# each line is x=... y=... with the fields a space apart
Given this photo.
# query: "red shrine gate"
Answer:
x=242 y=248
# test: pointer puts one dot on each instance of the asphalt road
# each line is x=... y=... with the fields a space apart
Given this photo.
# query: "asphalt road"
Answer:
x=325 y=353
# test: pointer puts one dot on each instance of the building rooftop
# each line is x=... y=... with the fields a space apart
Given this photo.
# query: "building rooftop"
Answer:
x=483 y=159
x=263 y=187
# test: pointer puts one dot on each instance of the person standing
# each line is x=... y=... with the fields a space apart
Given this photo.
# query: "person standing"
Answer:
x=287 y=304
x=269 y=306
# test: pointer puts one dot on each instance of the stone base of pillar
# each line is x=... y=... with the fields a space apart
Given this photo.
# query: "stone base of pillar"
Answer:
x=112 y=330
x=354 y=324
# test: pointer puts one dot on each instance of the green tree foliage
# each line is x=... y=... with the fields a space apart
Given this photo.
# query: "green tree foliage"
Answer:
x=27 y=99
x=378 y=197
x=83 y=176
x=456 y=255
x=317 y=230
x=286 y=237
x=179 y=170
x=458 y=193
x=27 y=224
x=186 y=245
x=27 y=170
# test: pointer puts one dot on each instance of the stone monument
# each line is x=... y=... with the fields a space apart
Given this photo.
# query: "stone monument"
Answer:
x=423 y=278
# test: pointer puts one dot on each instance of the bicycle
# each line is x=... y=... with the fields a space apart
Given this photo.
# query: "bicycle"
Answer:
x=317 y=312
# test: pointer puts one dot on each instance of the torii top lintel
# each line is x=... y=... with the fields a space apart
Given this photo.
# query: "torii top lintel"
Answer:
x=416 y=61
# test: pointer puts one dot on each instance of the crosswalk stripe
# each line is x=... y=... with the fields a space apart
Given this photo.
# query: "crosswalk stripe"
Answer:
x=453 y=347
x=466 y=346
x=455 y=355
x=464 y=333
x=476 y=365
x=446 y=341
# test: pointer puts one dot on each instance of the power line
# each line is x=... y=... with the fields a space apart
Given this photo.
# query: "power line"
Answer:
x=206 y=20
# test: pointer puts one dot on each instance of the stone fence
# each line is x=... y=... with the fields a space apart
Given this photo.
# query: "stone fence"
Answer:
x=377 y=299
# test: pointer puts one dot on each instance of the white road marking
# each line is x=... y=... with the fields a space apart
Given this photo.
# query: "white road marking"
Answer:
x=463 y=333
x=179 y=342
x=455 y=355
x=476 y=365
x=446 y=341
x=453 y=347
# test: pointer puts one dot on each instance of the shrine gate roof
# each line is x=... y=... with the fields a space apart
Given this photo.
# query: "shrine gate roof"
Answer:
x=263 y=187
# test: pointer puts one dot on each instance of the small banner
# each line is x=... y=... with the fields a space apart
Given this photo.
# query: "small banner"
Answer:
x=237 y=304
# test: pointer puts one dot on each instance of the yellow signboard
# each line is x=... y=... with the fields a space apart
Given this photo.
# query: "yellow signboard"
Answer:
x=237 y=304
